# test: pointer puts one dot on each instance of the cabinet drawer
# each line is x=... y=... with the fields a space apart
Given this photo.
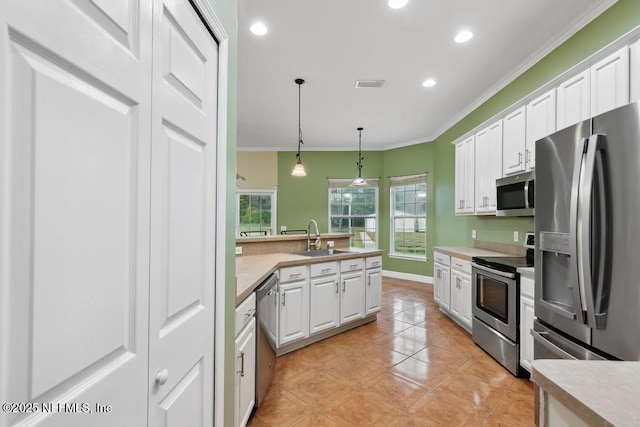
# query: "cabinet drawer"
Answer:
x=461 y=265
x=324 y=269
x=373 y=262
x=291 y=274
x=245 y=312
x=351 y=265
x=441 y=258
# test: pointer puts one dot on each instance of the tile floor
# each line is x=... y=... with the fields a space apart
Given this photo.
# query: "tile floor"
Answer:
x=411 y=367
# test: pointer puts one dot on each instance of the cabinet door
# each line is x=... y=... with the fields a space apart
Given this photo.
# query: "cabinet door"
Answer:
x=634 y=71
x=456 y=294
x=488 y=163
x=469 y=175
x=373 y=291
x=437 y=284
x=541 y=121
x=324 y=307
x=294 y=311
x=610 y=82
x=465 y=303
x=513 y=143
x=352 y=297
x=459 y=187
x=574 y=100
x=446 y=288
x=527 y=315
x=245 y=373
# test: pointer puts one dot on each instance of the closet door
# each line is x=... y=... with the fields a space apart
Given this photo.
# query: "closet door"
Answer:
x=74 y=211
x=183 y=217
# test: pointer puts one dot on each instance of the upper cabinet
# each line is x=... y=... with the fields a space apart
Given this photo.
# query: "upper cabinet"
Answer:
x=514 y=142
x=610 y=82
x=541 y=121
x=574 y=101
x=465 y=176
x=488 y=166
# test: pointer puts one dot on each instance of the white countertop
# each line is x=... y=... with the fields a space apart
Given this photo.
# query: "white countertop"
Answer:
x=603 y=393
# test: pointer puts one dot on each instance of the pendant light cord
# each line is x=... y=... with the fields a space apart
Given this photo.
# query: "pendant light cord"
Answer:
x=299 y=82
x=360 y=158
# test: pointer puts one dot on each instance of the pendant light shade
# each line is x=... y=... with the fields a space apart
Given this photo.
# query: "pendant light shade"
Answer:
x=359 y=181
x=298 y=169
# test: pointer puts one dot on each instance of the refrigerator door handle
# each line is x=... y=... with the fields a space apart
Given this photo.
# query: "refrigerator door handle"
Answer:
x=594 y=147
x=575 y=226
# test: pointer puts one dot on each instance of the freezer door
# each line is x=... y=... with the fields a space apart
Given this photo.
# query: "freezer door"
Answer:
x=615 y=244
x=548 y=344
x=559 y=158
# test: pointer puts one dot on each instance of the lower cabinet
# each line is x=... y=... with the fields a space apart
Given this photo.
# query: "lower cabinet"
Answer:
x=460 y=292
x=324 y=309
x=527 y=316
x=373 y=290
x=352 y=297
x=245 y=373
x=441 y=285
x=294 y=304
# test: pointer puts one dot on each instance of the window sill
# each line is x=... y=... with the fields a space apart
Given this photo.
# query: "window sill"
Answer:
x=408 y=257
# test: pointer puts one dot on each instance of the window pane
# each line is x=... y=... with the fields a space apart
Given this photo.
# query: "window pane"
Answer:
x=408 y=210
x=353 y=211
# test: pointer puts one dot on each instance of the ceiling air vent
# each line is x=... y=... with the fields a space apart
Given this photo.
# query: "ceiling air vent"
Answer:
x=369 y=83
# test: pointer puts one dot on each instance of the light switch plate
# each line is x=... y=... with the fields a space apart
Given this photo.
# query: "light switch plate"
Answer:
x=283 y=228
x=473 y=234
x=238 y=250
x=515 y=236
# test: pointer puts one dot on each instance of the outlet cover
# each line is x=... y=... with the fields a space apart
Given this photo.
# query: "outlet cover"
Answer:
x=515 y=236
x=238 y=250
x=283 y=228
x=473 y=234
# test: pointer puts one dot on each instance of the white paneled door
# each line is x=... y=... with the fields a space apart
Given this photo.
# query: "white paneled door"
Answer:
x=85 y=210
x=183 y=217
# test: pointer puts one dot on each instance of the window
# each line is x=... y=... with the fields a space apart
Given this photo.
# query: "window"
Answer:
x=354 y=210
x=256 y=212
x=409 y=216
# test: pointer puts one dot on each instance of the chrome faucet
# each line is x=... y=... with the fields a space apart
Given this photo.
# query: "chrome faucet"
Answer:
x=313 y=221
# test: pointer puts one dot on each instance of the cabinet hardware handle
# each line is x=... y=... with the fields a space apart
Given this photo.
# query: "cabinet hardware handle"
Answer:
x=519 y=158
x=284 y=299
x=162 y=376
x=369 y=280
x=527 y=156
x=344 y=284
x=292 y=276
x=241 y=371
x=250 y=313
x=326 y=270
x=337 y=287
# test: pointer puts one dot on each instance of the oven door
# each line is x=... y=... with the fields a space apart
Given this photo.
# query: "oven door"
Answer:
x=495 y=299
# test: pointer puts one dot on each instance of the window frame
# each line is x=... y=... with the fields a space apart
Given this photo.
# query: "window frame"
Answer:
x=344 y=183
x=401 y=181
x=274 y=206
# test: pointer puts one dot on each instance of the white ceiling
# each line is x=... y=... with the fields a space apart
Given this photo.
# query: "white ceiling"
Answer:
x=333 y=43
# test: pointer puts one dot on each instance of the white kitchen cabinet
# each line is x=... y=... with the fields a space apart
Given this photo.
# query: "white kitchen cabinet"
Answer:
x=324 y=309
x=541 y=121
x=373 y=291
x=634 y=71
x=610 y=82
x=514 y=141
x=574 y=100
x=465 y=176
x=488 y=166
x=245 y=373
x=352 y=297
x=441 y=282
x=294 y=304
x=527 y=316
x=460 y=288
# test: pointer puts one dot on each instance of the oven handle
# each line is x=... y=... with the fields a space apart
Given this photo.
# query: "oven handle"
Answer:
x=492 y=271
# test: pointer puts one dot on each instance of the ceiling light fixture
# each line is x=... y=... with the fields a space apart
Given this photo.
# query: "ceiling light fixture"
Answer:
x=429 y=83
x=463 y=36
x=259 y=29
x=397 y=4
x=359 y=181
x=298 y=169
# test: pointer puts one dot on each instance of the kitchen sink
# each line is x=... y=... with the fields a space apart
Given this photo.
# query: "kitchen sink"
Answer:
x=324 y=252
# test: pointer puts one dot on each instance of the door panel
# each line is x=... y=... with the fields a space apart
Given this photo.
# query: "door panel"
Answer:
x=183 y=216
x=74 y=209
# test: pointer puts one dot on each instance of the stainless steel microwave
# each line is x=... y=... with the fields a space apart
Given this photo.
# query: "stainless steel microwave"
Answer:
x=515 y=195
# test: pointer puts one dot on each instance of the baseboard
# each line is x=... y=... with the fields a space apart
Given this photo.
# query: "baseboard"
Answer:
x=408 y=276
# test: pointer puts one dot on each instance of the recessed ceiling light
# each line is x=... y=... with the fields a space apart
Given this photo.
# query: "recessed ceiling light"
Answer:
x=429 y=83
x=397 y=4
x=259 y=29
x=463 y=36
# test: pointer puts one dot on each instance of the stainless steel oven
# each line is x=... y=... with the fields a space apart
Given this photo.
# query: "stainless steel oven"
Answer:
x=495 y=299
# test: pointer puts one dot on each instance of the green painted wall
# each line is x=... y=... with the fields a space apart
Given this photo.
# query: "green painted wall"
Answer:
x=227 y=13
x=302 y=198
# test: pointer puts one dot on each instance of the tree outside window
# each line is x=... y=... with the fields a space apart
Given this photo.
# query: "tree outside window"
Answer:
x=256 y=212
x=354 y=210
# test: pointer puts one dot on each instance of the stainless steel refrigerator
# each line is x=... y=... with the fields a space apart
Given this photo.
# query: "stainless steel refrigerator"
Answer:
x=587 y=224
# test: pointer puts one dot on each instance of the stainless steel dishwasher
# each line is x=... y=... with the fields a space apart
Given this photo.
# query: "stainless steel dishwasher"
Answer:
x=267 y=315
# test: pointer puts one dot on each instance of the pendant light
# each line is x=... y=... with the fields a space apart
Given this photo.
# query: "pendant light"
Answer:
x=359 y=181
x=298 y=169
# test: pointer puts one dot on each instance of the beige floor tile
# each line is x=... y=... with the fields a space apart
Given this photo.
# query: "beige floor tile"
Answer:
x=426 y=374
x=318 y=388
x=394 y=390
x=358 y=409
x=282 y=408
